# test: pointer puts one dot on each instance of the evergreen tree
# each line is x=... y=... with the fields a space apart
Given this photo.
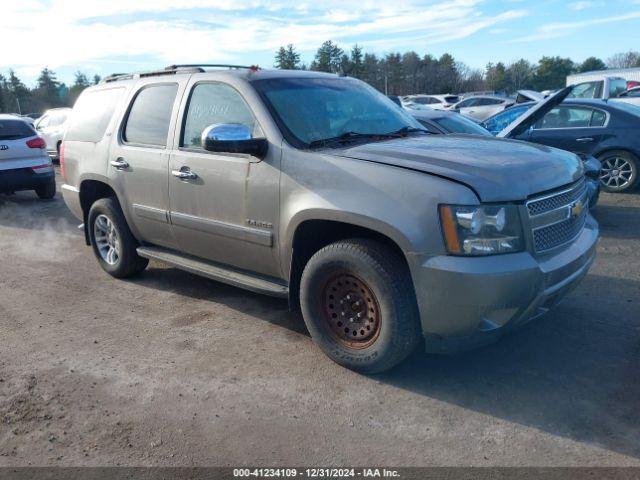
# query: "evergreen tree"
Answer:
x=357 y=65
x=591 y=64
x=552 y=73
x=47 y=88
x=19 y=94
x=80 y=83
x=287 y=58
x=328 y=58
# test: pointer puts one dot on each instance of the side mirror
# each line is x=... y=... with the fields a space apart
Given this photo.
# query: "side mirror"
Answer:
x=232 y=138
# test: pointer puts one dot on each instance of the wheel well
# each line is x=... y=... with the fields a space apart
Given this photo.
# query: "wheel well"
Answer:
x=614 y=149
x=90 y=191
x=312 y=235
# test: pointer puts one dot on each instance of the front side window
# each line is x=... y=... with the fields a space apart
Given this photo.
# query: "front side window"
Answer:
x=471 y=102
x=568 y=117
x=150 y=115
x=316 y=109
x=215 y=103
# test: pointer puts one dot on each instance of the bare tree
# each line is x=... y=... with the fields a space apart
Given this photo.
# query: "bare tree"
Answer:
x=628 y=59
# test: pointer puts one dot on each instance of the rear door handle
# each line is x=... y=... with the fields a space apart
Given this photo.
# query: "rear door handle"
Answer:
x=119 y=163
x=584 y=140
x=184 y=173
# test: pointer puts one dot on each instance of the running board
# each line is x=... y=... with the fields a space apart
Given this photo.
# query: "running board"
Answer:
x=215 y=271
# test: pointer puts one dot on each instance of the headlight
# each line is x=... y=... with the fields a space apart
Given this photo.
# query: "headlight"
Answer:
x=481 y=229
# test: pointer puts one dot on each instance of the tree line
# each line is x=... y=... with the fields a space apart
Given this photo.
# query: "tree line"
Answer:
x=406 y=73
x=48 y=92
x=392 y=73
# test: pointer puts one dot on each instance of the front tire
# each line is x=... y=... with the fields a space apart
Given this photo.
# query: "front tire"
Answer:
x=113 y=243
x=48 y=191
x=619 y=171
x=359 y=305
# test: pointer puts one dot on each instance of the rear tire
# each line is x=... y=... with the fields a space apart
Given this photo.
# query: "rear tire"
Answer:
x=619 y=171
x=359 y=305
x=48 y=191
x=112 y=241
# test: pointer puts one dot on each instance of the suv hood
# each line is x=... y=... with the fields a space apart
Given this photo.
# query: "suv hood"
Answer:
x=535 y=113
x=497 y=170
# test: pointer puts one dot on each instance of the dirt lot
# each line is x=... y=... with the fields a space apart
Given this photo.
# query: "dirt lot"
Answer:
x=173 y=369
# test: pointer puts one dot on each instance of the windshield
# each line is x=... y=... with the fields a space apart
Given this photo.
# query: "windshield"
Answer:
x=11 y=129
x=502 y=120
x=313 y=109
x=458 y=124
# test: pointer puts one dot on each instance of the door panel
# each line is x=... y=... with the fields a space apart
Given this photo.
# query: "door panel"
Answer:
x=227 y=213
x=139 y=160
x=568 y=128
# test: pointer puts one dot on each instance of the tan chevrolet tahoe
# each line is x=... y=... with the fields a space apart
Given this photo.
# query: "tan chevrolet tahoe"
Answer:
x=318 y=188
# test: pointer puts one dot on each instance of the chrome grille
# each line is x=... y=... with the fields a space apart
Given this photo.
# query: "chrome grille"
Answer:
x=546 y=238
x=558 y=218
x=548 y=203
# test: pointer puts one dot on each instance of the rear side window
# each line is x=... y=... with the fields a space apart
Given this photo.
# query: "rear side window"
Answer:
x=568 y=117
x=150 y=115
x=213 y=103
x=598 y=119
x=91 y=114
x=15 y=129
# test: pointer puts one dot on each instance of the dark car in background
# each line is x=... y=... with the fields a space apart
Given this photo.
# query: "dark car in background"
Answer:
x=609 y=131
x=442 y=122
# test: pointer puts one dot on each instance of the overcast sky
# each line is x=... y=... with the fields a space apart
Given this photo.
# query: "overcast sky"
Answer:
x=106 y=36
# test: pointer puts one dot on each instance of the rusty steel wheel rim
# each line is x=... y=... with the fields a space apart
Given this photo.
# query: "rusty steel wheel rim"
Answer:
x=351 y=311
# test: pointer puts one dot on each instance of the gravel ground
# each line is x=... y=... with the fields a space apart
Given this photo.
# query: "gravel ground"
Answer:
x=172 y=369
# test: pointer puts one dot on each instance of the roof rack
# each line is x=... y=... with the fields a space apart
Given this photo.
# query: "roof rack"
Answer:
x=173 y=69
x=202 y=66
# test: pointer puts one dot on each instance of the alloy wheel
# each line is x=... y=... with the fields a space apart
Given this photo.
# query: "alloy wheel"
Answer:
x=616 y=172
x=106 y=238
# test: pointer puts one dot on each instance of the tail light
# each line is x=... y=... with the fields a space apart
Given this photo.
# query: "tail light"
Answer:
x=61 y=160
x=36 y=143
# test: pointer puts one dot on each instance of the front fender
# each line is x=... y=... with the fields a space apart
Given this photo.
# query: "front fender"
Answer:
x=398 y=203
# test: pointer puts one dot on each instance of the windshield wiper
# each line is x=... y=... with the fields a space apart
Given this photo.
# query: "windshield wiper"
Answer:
x=345 y=137
x=404 y=131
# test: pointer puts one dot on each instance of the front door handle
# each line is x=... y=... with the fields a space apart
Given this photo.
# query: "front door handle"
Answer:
x=184 y=173
x=584 y=140
x=119 y=163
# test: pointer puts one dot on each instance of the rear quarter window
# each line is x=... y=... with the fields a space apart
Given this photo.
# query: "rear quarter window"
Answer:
x=15 y=129
x=92 y=113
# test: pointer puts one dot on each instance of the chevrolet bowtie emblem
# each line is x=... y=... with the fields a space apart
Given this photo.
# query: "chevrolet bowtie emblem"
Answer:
x=576 y=209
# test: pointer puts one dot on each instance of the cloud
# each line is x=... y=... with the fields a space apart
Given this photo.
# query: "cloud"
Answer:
x=584 y=5
x=73 y=33
x=562 y=29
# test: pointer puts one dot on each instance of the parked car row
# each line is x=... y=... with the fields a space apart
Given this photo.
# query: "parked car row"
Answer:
x=608 y=131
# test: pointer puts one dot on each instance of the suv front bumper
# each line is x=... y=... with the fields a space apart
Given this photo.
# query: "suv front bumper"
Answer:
x=468 y=302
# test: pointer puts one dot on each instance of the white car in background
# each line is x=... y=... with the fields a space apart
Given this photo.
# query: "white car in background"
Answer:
x=438 y=102
x=51 y=127
x=24 y=163
x=481 y=107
